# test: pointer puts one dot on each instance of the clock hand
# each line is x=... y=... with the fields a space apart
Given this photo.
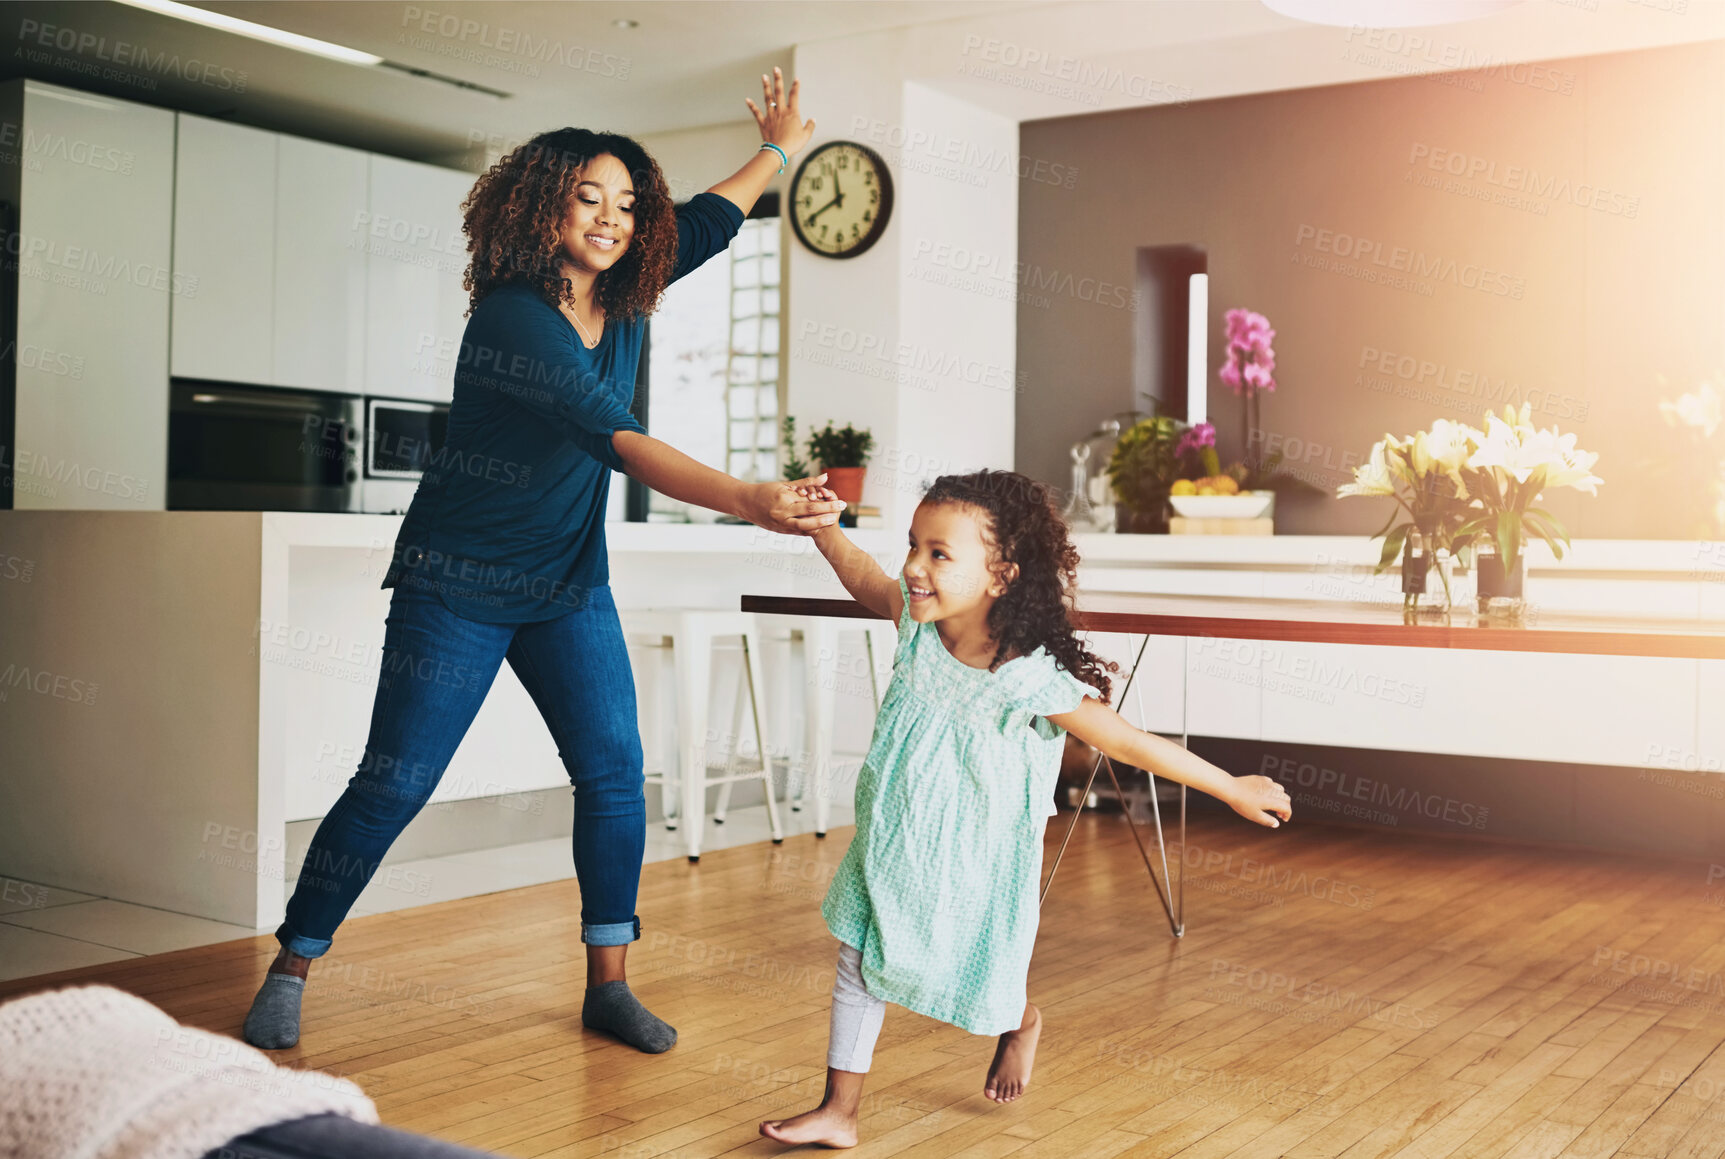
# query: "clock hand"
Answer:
x=824 y=208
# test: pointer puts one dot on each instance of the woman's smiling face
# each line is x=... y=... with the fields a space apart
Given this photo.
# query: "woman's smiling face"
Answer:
x=600 y=219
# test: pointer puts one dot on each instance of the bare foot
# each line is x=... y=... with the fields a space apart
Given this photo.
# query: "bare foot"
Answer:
x=1013 y=1058
x=823 y=1125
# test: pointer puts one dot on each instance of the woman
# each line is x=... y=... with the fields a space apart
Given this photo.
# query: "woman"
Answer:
x=501 y=555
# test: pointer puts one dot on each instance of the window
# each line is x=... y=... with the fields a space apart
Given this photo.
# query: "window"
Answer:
x=713 y=363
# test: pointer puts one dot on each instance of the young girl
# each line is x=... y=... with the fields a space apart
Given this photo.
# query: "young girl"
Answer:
x=935 y=902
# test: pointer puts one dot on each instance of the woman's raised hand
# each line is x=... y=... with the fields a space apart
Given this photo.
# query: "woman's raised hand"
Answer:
x=798 y=507
x=781 y=124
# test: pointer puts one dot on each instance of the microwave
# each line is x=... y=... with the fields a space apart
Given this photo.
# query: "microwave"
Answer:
x=401 y=438
x=233 y=447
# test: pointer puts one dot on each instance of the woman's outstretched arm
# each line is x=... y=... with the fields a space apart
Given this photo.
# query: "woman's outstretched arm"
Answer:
x=782 y=125
x=782 y=507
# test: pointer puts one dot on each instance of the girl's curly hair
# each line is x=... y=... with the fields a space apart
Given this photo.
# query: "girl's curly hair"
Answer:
x=513 y=211
x=1022 y=527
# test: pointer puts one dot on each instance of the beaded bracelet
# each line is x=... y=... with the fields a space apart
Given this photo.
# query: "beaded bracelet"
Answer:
x=784 y=158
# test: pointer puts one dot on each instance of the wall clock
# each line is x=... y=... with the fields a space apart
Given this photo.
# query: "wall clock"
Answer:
x=841 y=198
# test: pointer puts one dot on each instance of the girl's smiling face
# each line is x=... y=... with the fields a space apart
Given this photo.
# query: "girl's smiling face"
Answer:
x=950 y=569
x=600 y=218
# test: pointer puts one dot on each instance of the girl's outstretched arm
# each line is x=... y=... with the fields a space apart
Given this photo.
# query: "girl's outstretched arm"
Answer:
x=1257 y=799
x=859 y=573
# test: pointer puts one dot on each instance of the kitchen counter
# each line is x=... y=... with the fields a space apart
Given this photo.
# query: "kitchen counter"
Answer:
x=176 y=687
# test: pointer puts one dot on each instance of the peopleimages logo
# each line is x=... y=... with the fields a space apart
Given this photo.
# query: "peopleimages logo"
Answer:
x=121 y=55
x=1354 y=787
x=1412 y=262
x=1070 y=76
x=992 y=268
x=1420 y=373
x=1522 y=179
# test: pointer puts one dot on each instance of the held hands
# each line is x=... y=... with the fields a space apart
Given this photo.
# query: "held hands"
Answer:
x=1262 y=800
x=800 y=507
x=781 y=124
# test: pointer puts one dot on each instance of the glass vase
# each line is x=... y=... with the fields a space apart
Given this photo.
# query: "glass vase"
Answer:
x=1501 y=591
x=1427 y=579
x=1079 y=514
x=1138 y=521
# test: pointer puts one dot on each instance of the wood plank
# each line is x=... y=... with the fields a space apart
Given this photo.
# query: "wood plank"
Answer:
x=1468 y=1012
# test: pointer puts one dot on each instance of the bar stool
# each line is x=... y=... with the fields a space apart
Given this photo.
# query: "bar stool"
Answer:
x=689 y=635
x=820 y=645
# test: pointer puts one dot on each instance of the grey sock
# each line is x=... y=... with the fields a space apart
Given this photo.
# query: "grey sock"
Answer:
x=273 y=1023
x=610 y=1006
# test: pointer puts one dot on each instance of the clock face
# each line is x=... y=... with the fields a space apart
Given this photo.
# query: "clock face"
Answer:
x=841 y=199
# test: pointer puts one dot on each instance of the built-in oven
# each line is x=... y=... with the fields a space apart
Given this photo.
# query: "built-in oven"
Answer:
x=263 y=448
x=401 y=439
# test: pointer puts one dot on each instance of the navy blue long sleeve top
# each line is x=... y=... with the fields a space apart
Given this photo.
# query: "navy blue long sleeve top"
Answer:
x=508 y=522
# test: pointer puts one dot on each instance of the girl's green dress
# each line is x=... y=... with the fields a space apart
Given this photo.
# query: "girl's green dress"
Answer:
x=938 y=889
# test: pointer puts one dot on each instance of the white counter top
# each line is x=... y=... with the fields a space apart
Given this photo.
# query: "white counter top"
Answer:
x=1694 y=559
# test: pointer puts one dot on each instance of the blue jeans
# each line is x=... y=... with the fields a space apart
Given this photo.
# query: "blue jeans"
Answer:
x=436 y=669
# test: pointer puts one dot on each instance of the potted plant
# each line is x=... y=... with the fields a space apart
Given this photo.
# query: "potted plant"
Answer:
x=795 y=468
x=1423 y=474
x=1691 y=466
x=843 y=454
x=1510 y=465
x=1143 y=469
x=1248 y=370
x=1206 y=491
x=1455 y=485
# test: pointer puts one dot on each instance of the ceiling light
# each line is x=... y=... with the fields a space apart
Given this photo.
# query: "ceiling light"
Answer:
x=1387 y=13
x=627 y=23
x=257 y=31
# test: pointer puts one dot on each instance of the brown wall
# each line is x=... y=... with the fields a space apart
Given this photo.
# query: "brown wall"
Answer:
x=1602 y=301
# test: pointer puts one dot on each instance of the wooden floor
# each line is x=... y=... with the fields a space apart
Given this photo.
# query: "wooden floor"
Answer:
x=1338 y=993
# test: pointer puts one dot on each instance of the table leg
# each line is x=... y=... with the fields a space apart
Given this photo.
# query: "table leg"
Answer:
x=1164 y=892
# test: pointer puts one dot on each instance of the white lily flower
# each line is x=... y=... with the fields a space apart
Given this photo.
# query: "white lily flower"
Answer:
x=1575 y=469
x=1701 y=408
x=1419 y=457
x=1373 y=476
x=1499 y=448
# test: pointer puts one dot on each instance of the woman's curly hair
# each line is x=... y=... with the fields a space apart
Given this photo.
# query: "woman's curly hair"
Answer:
x=1023 y=528
x=513 y=211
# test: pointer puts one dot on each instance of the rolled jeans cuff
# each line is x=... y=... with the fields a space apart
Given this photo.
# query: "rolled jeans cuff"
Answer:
x=614 y=934
x=304 y=947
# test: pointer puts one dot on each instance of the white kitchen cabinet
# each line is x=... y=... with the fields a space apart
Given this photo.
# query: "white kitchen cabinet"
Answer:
x=225 y=237
x=416 y=254
x=1541 y=706
x=320 y=266
x=96 y=191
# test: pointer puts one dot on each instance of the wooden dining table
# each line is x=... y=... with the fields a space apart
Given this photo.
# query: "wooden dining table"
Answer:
x=1379 y=624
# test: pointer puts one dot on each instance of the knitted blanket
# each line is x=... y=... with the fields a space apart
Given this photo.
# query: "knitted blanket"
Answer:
x=92 y=1072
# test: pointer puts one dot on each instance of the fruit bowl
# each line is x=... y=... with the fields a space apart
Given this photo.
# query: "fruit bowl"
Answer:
x=1248 y=506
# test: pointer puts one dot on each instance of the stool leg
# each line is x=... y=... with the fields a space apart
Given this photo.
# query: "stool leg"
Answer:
x=879 y=664
x=822 y=655
x=777 y=688
x=650 y=699
x=752 y=655
x=693 y=655
x=732 y=741
x=671 y=761
x=797 y=770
